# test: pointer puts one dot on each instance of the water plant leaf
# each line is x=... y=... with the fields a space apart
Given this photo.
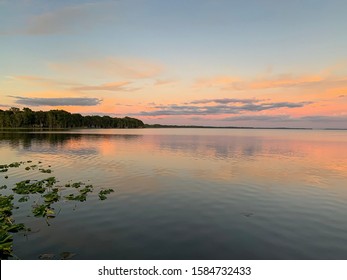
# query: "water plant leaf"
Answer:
x=45 y=170
x=6 y=246
x=3 y=187
x=6 y=225
x=5 y=249
x=86 y=189
x=50 y=213
x=15 y=228
x=23 y=198
x=5 y=237
x=41 y=210
x=25 y=187
x=103 y=193
x=52 y=196
x=15 y=164
x=80 y=197
x=6 y=205
x=77 y=185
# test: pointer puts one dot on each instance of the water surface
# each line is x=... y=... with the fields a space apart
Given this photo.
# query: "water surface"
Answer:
x=188 y=193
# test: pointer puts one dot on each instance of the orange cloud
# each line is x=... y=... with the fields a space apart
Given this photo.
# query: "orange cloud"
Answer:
x=337 y=92
x=281 y=81
x=110 y=67
x=43 y=82
x=116 y=86
x=160 y=82
x=219 y=81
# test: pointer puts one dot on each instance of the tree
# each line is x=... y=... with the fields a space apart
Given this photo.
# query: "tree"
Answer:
x=15 y=117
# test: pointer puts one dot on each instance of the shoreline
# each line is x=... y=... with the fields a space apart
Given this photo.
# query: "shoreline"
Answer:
x=155 y=126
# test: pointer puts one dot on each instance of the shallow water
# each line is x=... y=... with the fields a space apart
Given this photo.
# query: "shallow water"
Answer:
x=188 y=193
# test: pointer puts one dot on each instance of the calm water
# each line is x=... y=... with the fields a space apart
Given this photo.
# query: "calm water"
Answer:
x=188 y=193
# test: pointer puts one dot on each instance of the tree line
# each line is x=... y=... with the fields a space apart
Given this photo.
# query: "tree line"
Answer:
x=27 y=118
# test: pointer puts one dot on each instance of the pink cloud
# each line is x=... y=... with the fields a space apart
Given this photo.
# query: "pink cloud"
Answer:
x=115 y=86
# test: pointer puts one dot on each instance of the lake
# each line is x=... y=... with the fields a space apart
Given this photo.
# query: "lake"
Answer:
x=186 y=193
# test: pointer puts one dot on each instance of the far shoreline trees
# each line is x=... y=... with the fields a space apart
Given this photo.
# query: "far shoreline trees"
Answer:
x=60 y=119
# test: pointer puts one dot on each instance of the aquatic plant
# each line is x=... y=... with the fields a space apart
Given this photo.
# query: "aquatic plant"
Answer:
x=7 y=225
x=5 y=167
x=103 y=193
x=45 y=170
x=46 y=193
x=16 y=164
x=26 y=187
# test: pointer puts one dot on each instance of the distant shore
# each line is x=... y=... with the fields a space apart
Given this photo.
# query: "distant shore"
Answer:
x=158 y=126
x=236 y=127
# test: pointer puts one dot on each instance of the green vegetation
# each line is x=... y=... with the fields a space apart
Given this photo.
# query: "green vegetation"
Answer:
x=103 y=193
x=60 y=119
x=45 y=170
x=7 y=225
x=5 y=167
x=43 y=194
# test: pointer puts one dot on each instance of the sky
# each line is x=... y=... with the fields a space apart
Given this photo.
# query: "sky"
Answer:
x=260 y=63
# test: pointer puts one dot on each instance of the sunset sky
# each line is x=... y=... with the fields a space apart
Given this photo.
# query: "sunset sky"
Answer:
x=263 y=63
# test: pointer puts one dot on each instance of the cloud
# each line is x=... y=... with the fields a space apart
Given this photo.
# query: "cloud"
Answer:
x=116 y=86
x=287 y=118
x=325 y=119
x=161 y=82
x=282 y=81
x=271 y=118
x=269 y=82
x=129 y=68
x=68 y=101
x=42 y=81
x=30 y=78
x=225 y=101
x=219 y=81
x=248 y=105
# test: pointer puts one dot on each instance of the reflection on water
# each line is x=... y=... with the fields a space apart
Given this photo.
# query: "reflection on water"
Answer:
x=191 y=193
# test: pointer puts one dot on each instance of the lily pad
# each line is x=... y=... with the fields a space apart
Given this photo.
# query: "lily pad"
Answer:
x=23 y=198
x=103 y=193
x=45 y=170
